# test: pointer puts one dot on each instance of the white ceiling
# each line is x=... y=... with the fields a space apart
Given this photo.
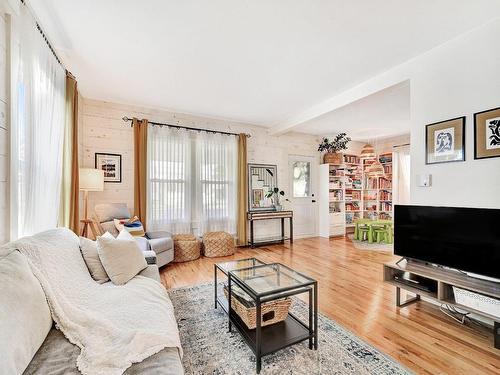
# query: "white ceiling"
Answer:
x=383 y=114
x=258 y=61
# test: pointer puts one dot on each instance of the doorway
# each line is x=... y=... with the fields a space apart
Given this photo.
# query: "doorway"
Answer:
x=302 y=175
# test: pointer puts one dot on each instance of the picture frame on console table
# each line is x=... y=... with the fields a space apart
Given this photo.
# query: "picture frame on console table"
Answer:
x=111 y=164
x=445 y=141
x=487 y=134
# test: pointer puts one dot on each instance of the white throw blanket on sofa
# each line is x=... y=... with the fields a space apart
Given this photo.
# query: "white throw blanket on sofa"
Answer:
x=114 y=326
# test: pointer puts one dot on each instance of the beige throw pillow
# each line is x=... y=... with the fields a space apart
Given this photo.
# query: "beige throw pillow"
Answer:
x=121 y=257
x=91 y=257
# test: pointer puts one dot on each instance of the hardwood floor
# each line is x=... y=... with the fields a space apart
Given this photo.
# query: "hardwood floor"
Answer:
x=352 y=293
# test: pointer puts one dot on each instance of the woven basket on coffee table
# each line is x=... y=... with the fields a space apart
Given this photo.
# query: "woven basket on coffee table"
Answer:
x=186 y=247
x=271 y=312
x=218 y=244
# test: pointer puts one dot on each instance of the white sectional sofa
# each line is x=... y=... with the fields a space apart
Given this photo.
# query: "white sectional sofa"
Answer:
x=29 y=342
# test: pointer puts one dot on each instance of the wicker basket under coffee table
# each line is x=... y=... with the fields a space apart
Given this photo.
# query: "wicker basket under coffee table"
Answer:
x=264 y=283
x=218 y=244
x=186 y=247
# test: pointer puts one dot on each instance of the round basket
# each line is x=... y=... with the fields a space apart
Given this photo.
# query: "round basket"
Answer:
x=186 y=247
x=218 y=244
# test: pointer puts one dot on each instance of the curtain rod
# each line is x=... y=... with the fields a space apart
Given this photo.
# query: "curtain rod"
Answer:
x=40 y=30
x=401 y=145
x=127 y=119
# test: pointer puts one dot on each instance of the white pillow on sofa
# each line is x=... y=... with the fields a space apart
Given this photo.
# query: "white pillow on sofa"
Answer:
x=121 y=258
x=91 y=257
x=25 y=318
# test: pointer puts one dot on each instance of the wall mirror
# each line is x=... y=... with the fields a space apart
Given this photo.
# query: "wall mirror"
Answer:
x=261 y=179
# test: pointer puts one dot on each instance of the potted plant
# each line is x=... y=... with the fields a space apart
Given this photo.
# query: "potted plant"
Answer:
x=332 y=148
x=274 y=194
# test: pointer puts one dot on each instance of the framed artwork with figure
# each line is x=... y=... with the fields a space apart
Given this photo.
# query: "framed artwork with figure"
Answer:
x=487 y=134
x=445 y=141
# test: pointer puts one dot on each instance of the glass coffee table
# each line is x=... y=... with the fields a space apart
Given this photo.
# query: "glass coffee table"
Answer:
x=264 y=283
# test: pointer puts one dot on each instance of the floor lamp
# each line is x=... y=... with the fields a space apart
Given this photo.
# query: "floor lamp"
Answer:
x=90 y=180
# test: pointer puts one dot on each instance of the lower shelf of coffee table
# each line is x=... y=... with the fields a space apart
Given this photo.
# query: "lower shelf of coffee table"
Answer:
x=274 y=337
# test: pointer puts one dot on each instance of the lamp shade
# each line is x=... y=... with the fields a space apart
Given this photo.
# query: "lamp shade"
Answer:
x=367 y=152
x=91 y=179
x=376 y=170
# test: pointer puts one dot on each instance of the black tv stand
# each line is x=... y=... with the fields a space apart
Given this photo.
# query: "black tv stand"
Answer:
x=439 y=282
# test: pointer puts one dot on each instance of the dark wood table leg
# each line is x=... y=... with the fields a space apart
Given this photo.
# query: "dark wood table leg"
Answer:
x=252 y=245
x=496 y=334
x=215 y=285
x=229 y=298
x=258 y=337
x=291 y=230
x=316 y=316
x=311 y=332
x=282 y=229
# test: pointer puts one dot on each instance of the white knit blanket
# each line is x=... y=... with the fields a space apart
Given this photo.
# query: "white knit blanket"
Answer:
x=114 y=326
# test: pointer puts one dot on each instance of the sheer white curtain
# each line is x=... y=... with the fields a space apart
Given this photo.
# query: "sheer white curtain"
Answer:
x=402 y=175
x=169 y=180
x=216 y=170
x=191 y=181
x=37 y=150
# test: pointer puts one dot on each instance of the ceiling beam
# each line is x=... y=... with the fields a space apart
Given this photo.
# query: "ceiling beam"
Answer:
x=382 y=81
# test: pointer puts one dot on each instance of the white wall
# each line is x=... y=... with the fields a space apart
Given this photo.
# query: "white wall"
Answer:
x=459 y=78
x=4 y=135
x=103 y=130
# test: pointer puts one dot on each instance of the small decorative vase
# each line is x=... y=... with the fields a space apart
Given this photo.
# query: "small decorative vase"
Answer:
x=332 y=158
x=278 y=207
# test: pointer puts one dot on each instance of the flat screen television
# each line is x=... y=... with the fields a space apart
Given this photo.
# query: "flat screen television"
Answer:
x=466 y=239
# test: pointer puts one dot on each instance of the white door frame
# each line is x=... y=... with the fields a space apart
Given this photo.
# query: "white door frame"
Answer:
x=312 y=199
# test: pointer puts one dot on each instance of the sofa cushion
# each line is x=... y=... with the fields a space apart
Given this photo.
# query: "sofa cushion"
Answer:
x=121 y=258
x=58 y=356
x=91 y=257
x=109 y=211
x=25 y=317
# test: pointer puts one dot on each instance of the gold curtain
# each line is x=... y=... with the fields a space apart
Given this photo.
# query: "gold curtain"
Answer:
x=140 y=167
x=241 y=225
x=69 y=212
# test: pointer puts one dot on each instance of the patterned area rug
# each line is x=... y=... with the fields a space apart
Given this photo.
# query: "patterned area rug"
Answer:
x=364 y=245
x=210 y=349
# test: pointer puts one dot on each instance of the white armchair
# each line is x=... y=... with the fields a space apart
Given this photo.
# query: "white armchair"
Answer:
x=159 y=242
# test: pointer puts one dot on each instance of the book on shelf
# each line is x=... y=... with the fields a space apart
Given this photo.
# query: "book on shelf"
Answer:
x=336 y=184
x=351 y=159
x=385 y=195
x=385 y=183
x=385 y=158
x=352 y=206
x=385 y=206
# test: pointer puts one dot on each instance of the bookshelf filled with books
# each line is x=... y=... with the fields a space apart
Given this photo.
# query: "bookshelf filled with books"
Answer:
x=348 y=192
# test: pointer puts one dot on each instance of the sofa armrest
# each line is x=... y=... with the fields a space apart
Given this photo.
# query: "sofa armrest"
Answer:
x=150 y=257
x=158 y=234
x=152 y=272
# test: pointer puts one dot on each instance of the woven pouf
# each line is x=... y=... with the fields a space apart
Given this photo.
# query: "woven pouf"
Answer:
x=218 y=244
x=186 y=247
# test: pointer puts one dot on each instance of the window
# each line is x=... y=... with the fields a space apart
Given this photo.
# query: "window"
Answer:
x=301 y=179
x=38 y=134
x=192 y=181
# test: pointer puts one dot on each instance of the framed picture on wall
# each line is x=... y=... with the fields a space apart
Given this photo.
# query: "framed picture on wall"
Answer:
x=445 y=141
x=487 y=134
x=111 y=164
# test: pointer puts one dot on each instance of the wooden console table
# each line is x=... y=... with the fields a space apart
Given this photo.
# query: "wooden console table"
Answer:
x=270 y=215
x=441 y=282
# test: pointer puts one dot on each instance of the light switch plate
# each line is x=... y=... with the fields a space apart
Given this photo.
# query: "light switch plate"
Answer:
x=424 y=180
